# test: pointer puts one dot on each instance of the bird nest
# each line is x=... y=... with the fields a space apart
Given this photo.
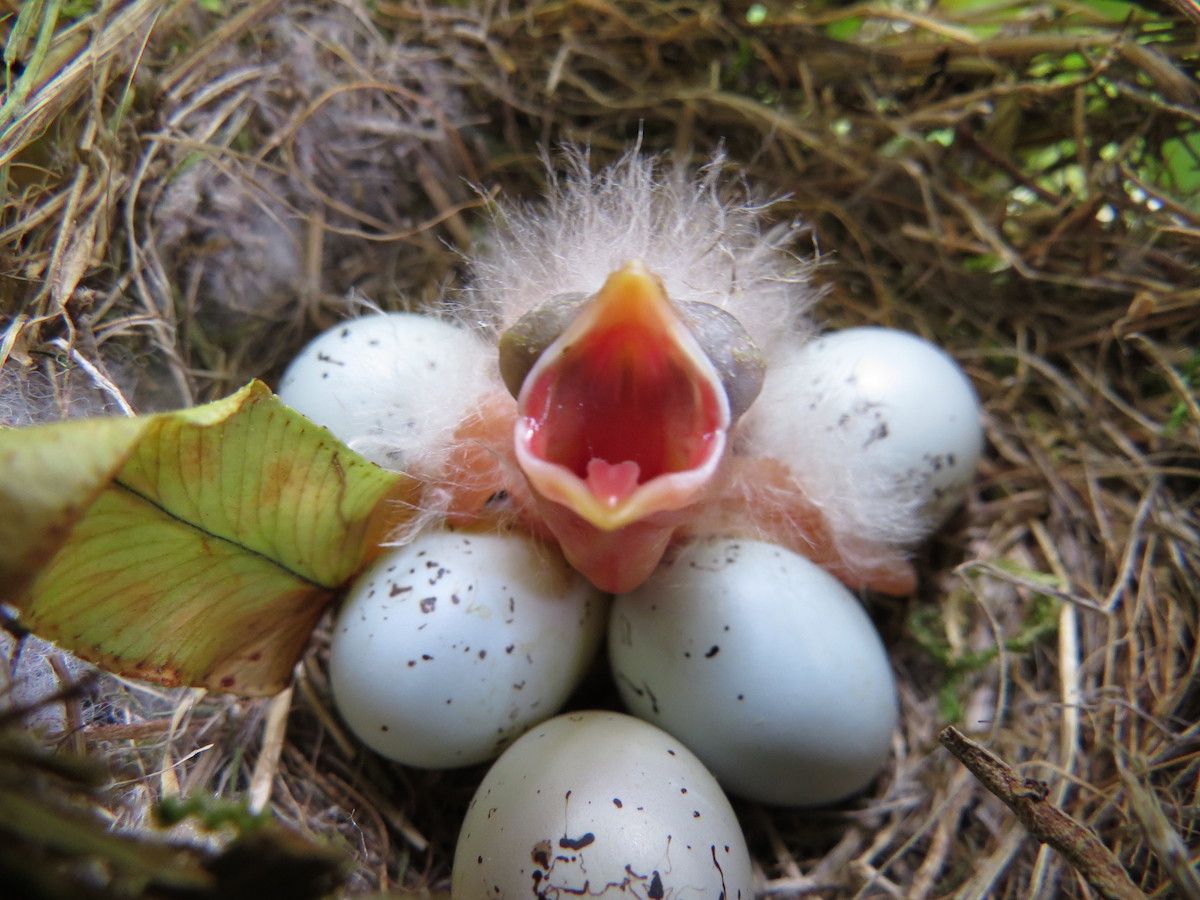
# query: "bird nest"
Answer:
x=192 y=190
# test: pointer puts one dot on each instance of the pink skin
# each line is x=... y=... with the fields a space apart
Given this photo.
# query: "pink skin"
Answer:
x=614 y=561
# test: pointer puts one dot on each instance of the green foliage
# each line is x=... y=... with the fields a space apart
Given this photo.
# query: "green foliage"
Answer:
x=926 y=625
x=35 y=15
x=213 y=813
x=845 y=29
x=984 y=262
x=1056 y=167
x=942 y=136
x=1181 y=165
x=1190 y=376
x=1113 y=10
x=77 y=9
x=23 y=32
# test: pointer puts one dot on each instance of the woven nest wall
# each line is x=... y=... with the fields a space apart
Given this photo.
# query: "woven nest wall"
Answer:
x=194 y=190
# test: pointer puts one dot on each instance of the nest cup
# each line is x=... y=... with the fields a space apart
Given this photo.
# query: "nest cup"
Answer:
x=194 y=190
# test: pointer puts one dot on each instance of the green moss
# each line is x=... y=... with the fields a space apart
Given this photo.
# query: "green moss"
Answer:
x=925 y=625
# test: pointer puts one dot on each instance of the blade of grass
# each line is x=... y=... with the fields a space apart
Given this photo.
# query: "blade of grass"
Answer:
x=28 y=78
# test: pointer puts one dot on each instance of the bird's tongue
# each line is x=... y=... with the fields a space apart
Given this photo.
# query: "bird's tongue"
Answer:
x=611 y=484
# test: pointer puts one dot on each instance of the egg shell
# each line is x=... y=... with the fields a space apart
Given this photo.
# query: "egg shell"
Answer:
x=764 y=665
x=447 y=649
x=880 y=427
x=599 y=804
x=390 y=384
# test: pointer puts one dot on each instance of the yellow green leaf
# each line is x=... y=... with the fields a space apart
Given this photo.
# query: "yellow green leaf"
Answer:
x=46 y=482
x=196 y=547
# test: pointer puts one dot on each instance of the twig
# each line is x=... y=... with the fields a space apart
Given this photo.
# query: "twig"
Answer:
x=1045 y=821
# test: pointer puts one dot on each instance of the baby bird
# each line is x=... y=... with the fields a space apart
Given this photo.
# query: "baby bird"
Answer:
x=628 y=324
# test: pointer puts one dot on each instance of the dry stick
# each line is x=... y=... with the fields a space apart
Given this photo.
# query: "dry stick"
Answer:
x=1045 y=821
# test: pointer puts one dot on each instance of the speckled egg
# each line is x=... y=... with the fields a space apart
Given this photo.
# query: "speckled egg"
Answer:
x=880 y=427
x=764 y=665
x=599 y=804
x=388 y=384
x=447 y=649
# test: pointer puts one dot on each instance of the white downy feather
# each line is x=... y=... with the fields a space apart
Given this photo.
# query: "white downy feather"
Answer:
x=704 y=235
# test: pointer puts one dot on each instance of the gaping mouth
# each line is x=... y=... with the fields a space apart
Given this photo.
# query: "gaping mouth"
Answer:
x=623 y=415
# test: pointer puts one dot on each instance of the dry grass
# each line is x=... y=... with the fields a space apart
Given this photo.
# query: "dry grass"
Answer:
x=188 y=196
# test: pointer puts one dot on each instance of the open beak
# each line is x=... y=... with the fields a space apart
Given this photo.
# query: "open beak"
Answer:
x=621 y=425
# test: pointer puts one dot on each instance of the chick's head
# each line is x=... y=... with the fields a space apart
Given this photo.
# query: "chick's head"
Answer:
x=636 y=311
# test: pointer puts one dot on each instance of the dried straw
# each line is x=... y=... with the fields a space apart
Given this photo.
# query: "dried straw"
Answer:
x=189 y=196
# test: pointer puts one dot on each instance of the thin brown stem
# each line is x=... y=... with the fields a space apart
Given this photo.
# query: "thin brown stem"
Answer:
x=1027 y=798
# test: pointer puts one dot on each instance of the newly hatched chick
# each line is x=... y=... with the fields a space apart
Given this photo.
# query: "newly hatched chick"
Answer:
x=636 y=311
x=632 y=318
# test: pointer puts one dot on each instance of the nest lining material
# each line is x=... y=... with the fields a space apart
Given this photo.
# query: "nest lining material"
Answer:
x=191 y=195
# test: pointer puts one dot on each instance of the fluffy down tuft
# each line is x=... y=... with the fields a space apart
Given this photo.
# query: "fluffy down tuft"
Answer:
x=704 y=235
x=866 y=506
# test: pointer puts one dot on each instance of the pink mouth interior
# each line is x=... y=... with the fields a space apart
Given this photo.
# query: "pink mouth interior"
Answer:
x=622 y=407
